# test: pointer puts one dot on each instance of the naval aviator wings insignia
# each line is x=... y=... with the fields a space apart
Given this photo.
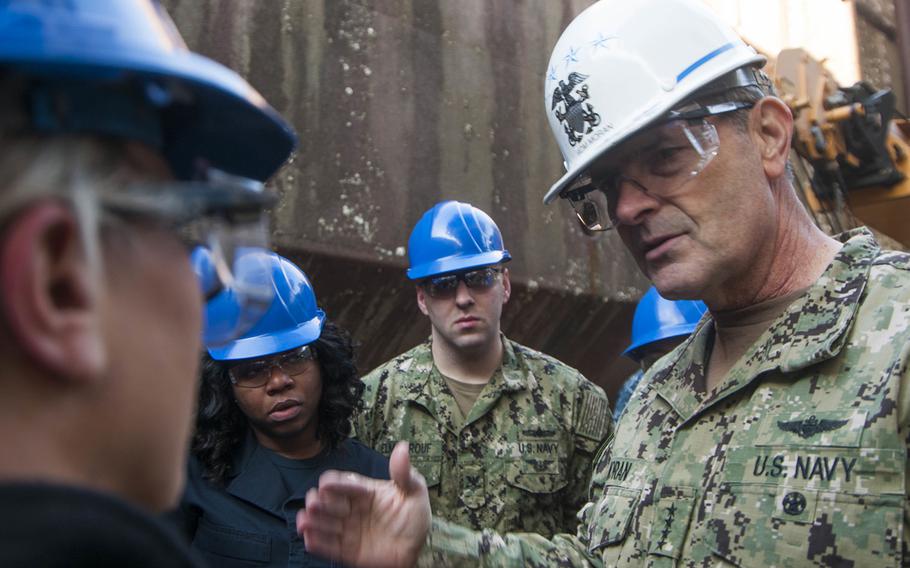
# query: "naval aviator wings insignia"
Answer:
x=810 y=426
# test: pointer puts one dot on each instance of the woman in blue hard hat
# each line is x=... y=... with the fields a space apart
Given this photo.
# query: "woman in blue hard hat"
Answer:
x=274 y=413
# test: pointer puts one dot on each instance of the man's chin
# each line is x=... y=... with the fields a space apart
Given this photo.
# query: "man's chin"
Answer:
x=471 y=341
x=674 y=283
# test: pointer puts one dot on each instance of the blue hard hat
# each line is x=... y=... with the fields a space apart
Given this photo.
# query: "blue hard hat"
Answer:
x=291 y=320
x=657 y=318
x=453 y=236
x=120 y=68
x=206 y=271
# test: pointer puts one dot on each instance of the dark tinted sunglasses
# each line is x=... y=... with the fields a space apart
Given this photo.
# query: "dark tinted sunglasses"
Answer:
x=446 y=284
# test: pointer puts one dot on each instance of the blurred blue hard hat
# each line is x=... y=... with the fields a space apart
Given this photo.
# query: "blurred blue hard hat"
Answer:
x=657 y=318
x=120 y=68
x=291 y=320
x=453 y=236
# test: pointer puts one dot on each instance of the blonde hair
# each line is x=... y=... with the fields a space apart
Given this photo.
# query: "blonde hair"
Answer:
x=36 y=164
x=72 y=169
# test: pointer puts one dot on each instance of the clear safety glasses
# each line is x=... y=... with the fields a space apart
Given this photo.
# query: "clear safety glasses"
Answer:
x=254 y=374
x=224 y=219
x=659 y=161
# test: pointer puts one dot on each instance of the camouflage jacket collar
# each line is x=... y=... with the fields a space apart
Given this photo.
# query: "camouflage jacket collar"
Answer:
x=424 y=385
x=513 y=373
x=812 y=329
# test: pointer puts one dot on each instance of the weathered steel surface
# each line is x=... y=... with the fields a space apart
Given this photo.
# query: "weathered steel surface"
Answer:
x=902 y=23
x=402 y=103
x=879 y=50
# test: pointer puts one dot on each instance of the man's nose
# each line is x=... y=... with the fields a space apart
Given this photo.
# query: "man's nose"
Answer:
x=463 y=297
x=632 y=202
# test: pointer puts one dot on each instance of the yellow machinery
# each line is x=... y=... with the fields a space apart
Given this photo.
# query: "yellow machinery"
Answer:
x=857 y=150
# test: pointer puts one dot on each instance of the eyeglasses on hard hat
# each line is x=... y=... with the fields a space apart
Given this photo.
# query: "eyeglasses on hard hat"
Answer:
x=254 y=374
x=657 y=161
x=444 y=286
x=224 y=218
x=229 y=200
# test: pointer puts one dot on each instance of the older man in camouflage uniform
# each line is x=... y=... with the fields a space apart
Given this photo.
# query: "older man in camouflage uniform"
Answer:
x=777 y=434
x=504 y=435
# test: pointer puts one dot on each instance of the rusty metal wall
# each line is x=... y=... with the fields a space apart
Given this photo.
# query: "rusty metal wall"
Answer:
x=880 y=58
x=902 y=22
x=400 y=104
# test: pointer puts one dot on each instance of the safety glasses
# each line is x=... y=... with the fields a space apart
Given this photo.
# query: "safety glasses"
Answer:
x=659 y=161
x=445 y=286
x=223 y=221
x=254 y=374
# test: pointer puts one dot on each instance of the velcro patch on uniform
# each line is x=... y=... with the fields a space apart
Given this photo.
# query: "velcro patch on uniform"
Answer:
x=534 y=447
x=594 y=417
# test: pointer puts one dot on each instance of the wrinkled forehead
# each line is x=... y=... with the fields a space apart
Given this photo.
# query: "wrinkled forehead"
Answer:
x=653 y=138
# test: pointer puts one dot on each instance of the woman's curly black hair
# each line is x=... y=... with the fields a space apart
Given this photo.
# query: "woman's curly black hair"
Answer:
x=221 y=425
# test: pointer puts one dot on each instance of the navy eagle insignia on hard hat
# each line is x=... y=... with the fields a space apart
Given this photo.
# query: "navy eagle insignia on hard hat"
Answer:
x=571 y=109
x=810 y=426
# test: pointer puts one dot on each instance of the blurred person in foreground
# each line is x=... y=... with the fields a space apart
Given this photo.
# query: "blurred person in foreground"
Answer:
x=274 y=413
x=114 y=140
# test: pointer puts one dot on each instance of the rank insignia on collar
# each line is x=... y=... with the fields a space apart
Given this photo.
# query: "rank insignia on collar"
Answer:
x=810 y=426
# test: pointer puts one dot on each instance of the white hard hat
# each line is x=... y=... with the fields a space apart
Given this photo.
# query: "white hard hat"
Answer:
x=621 y=64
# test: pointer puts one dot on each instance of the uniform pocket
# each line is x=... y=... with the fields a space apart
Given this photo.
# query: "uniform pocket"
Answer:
x=537 y=476
x=754 y=526
x=611 y=518
x=809 y=505
x=672 y=515
x=430 y=469
x=221 y=543
x=539 y=464
x=426 y=456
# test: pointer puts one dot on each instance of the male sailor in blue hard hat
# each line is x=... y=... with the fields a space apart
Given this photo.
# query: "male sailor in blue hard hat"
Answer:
x=117 y=145
x=659 y=325
x=274 y=413
x=505 y=435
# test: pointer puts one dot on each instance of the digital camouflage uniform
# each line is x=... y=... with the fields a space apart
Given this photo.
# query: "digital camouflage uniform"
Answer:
x=522 y=459
x=798 y=458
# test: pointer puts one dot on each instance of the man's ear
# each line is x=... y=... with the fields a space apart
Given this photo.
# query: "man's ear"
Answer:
x=773 y=123
x=422 y=300
x=506 y=285
x=48 y=295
